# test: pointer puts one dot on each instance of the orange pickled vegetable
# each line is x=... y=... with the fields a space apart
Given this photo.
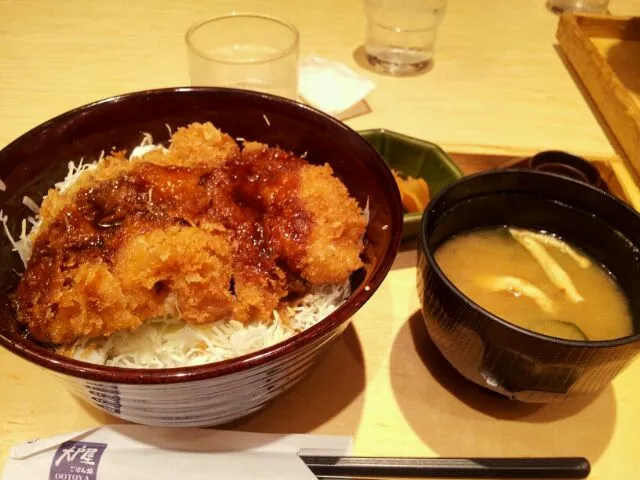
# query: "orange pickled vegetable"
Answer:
x=414 y=192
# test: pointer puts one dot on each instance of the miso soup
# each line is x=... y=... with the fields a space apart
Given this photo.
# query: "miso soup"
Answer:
x=537 y=281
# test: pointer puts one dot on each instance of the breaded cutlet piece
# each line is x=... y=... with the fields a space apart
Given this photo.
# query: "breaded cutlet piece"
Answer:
x=310 y=221
x=84 y=301
x=249 y=149
x=258 y=296
x=177 y=270
x=338 y=225
x=199 y=144
x=112 y=166
x=196 y=145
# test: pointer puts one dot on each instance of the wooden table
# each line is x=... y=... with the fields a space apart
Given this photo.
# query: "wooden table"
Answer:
x=498 y=85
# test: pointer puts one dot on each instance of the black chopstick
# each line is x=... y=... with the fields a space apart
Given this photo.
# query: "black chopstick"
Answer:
x=416 y=467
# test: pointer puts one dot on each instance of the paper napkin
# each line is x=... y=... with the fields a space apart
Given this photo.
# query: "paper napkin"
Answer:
x=126 y=452
x=333 y=87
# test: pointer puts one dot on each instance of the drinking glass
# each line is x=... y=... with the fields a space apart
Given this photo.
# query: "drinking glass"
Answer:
x=242 y=50
x=401 y=34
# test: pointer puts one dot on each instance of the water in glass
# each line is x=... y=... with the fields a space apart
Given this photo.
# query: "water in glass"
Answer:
x=401 y=34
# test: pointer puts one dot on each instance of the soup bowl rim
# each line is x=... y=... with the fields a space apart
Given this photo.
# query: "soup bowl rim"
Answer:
x=429 y=253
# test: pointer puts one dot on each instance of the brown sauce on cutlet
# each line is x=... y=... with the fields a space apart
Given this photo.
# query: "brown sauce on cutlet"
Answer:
x=268 y=215
x=254 y=196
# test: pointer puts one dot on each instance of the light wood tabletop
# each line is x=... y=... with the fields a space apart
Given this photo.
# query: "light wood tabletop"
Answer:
x=499 y=84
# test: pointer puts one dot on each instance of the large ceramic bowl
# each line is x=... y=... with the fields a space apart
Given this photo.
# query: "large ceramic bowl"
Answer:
x=493 y=352
x=220 y=392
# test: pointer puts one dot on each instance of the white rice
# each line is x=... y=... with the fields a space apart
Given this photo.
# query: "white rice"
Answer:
x=169 y=342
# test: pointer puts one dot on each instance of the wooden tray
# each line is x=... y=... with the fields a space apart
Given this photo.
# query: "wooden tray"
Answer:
x=612 y=170
x=605 y=53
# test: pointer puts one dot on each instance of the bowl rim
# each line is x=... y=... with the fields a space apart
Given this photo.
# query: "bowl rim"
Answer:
x=424 y=247
x=101 y=373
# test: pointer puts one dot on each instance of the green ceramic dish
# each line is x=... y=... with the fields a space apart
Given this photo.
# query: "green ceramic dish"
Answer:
x=418 y=158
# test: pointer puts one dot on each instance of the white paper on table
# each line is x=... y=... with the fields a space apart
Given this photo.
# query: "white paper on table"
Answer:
x=126 y=452
x=332 y=86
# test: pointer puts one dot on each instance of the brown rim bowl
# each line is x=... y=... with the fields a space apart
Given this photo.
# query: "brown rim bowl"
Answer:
x=495 y=353
x=223 y=391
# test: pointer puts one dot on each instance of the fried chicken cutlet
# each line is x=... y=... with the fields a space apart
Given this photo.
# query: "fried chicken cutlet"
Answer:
x=178 y=271
x=66 y=305
x=200 y=230
x=312 y=223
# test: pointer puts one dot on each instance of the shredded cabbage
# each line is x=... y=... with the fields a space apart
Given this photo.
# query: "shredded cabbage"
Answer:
x=23 y=244
x=31 y=205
